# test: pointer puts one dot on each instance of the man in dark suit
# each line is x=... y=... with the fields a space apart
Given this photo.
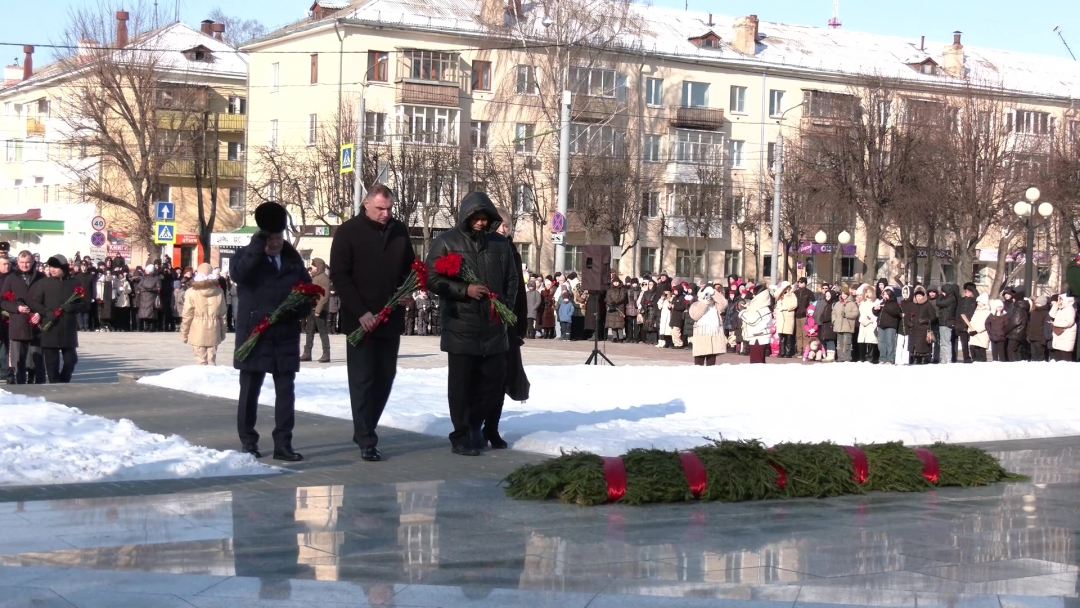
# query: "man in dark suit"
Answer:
x=265 y=272
x=369 y=260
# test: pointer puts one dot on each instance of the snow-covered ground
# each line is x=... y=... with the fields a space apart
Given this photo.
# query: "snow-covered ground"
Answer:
x=608 y=410
x=49 y=443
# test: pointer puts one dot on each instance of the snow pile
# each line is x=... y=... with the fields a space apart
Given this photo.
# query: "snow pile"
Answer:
x=49 y=443
x=609 y=410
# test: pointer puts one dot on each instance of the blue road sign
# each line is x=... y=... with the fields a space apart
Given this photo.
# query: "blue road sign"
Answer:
x=97 y=239
x=558 y=222
x=165 y=211
x=164 y=233
x=347 y=158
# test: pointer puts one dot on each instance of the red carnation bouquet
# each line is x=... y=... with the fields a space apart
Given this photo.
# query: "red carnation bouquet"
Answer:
x=78 y=294
x=301 y=293
x=452 y=265
x=417 y=278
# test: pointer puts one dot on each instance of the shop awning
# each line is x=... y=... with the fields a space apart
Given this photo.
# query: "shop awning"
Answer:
x=234 y=238
x=39 y=226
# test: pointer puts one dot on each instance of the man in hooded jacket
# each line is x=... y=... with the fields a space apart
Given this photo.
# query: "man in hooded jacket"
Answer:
x=1016 y=327
x=475 y=343
x=965 y=312
x=947 y=303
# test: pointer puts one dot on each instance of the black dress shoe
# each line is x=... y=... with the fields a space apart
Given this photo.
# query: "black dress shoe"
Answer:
x=476 y=439
x=251 y=448
x=370 y=454
x=288 y=454
x=465 y=450
x=495 y=440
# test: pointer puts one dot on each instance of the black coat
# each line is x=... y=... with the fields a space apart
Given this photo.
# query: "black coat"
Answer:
x=966 y=308
x=889 y=315
x=368 y=262
x=466 y=324
x=521 y=305
x=47 y=296
x=1016 y=327
x=918 y=319
x=260 y=288
x=947 y=301
x=19 y=327
x=678 y=309
x=804 y=297
x=1037 y=324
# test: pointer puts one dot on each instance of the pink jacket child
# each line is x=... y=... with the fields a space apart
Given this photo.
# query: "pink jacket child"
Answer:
x=811 y=325
x=774 y=340
x=813 y=351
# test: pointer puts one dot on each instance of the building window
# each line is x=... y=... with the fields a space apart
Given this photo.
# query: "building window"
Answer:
x=478 y=134
x=652 y=148
x=523 y=138
x=696 y=146
x=163 y=192
x=314 y=68
x=733 y=262
x=1038 y=123
x=594 y=82
x=766 y=265
x=236 y=198
x=435 y=66
x=45 y=194
x=378 y=66
x=688 y=262
x=524 y=199
x=273 y=134
x=481 y=75
x=847 y=266
x=647 y=260
x=654 y=91
x=650 y=204
x=429 y=125
x=824 y=104
x=275 y=72
x=770 y=155
x=237 y=105
x=1074 y=131
x=313 y=129
x=597 y=140
x=271 y=190
x=13 y=151
x=695 y=94
x=375 y=126
x=573 y=257
x=737 y=148
x=738 y=99
x=526 y=80
x=738 y=208
x=236 y=150
x=776 y=103
x=525 y=251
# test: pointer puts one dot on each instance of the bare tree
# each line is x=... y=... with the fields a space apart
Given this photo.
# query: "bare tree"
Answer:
x=237 y=29
x=1063 y=188
x=514 y=181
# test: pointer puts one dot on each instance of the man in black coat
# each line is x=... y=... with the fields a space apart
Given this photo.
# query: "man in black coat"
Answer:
x=265 y=272
x=47 y=298
x=1016 y=327
x=965 y=311
x=947 y=303
x=370 y=257
x=804 y=297
x=5 y=370
x=475 y=343
x=23 y=322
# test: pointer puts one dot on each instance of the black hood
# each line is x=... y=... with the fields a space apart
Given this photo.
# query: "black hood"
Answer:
x=950 y=290
x=473 y=203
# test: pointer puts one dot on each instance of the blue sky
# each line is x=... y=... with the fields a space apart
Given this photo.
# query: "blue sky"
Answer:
x=1006 y=24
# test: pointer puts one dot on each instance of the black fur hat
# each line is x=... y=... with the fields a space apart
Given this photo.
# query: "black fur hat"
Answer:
x=271 y=217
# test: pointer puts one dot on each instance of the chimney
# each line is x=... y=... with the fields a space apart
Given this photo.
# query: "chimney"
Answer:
x=710 y=20
x=953 y=58
x=218 y=29
x=746 y=35
x=207 y=26
x=28 y=62
x=922 y=43
x=12 y=75
x=121 y=29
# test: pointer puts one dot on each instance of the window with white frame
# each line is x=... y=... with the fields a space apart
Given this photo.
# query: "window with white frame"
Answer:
x=524 y=199
x=733 y=262
x=523 y=138
x=574 y=257
x=237 y=105
x=375 y=126
x=776 y=102
x=594 y=82
x=526 y=80
x=435 y=66
x=313 y=129
x=13 y=150
x=525 y=251
x=275 y=73
x=654 y=91
x=1027 y=121
x=737 y=158
x=647 y=260
x=235 y=150
x=650 y=204
x=478 y=134
x=696 y=146
x=688 y=263
x=600 y=140
x=695 y=94
x=738 y=208
x=236 y=198
x=273 y=134
x=738 y=100
x=651 y=148
x=429 y=125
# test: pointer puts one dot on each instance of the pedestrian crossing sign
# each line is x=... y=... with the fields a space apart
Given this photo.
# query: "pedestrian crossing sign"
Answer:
x=347 y=158
x=164 y=233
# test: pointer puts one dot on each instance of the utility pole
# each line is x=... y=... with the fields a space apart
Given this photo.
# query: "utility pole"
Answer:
x=359 y=191
x=778 y=178
x=564 y=175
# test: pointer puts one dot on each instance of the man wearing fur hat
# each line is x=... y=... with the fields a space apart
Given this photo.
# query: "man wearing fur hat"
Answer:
x=47 y=298
x=265 y=272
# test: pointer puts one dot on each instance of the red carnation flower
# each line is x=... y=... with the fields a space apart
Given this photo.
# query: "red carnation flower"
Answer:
x=58 y=312
x=9 y=296
x=421 y=270
x=449 y=264
x=79 y=291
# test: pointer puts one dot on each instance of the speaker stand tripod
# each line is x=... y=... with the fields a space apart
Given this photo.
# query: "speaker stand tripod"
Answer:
x=596 y=356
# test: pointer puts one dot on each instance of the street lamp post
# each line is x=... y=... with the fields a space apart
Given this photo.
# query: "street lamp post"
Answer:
x=1027 y=210
x=844 y=238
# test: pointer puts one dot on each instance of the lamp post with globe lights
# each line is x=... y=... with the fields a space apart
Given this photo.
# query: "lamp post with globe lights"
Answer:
x=844 y=238
x=1027 y=209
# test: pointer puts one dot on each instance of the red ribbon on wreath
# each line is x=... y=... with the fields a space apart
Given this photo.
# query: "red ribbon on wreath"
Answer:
x=493 y=314
x=695 y=473
x=858 y=460
x=930 y=469
x=781 y=476
x=615 y=476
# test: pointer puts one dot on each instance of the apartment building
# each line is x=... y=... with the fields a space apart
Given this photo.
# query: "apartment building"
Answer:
x=693 y=102
x=49 y=164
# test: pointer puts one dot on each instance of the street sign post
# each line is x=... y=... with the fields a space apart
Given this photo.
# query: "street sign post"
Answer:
x=97 y=239
x=558 y=222
x=164 y=211
x=98 y=224
x=165 y=233
x=557 y=238
x=346 y=159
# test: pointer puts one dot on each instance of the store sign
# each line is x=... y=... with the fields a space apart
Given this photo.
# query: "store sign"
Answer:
x=808 y=248
x=317 y=230
x=229 y=239
x=187 y=239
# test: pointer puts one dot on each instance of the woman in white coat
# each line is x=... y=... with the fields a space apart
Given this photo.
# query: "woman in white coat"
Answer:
x=979 y=341
x=708 y=339
x=665 y=321
x=868 y=324
x=756 y=318
x=1063 y=312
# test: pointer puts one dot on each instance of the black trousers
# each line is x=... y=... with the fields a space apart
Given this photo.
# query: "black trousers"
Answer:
x=21 y=350
x=1015 y=349
x=284 y=407
x=513 y=365
x=52 y=364
x=474 y=388
x=978 y=354
x=1061 y=355
x=997 y=350
x=1038 y=351
x=372 y=366
x=530 y=329
x=965 y=338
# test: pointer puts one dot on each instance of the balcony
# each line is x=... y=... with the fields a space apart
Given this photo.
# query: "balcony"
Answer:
x=232 y=122
x=35 y=126
x=431 y=93
x=185 y=167
x=585 y=108
x=708 y=119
